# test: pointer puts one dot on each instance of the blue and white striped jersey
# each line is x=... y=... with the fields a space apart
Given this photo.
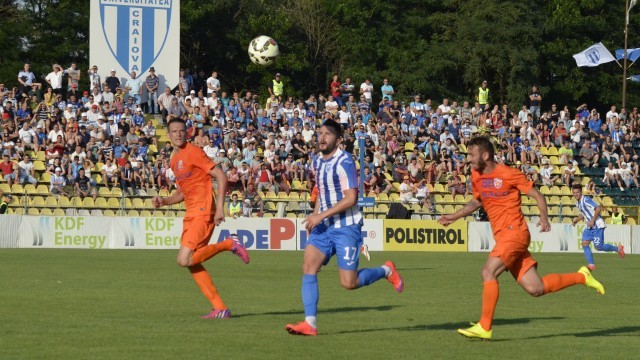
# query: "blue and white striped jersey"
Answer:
x=587 y=208
x=333 y=176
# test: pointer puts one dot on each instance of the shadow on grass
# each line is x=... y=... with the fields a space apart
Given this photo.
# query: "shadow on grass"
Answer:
x=325 y=311
x=618 y=331
x=451 y=325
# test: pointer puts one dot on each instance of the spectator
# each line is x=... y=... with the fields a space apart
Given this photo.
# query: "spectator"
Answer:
x=546 y=174
x=4 y=204
x=83 y=186
x=407 y=191
x=627 y=176
x=26 y=171
x=127 y=179
x=9 y=170
x=456 y=185
x=134 y=88
x=151 y=83
x=109 y=173
x=235 y=207
x=568 y=175
x=58 y=183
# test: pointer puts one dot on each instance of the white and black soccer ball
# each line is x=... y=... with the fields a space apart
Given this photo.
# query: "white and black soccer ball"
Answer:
x=263 y=50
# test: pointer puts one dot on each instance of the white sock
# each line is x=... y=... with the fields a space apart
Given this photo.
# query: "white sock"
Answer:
x=387 y=270
x=311 y=320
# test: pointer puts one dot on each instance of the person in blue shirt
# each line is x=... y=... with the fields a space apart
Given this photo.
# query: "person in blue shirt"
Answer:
x=335 y=228
x=138 y=118
x=594 y=230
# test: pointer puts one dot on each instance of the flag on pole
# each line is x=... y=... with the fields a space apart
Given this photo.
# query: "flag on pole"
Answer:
x=634 y=78
x=594 y=55
x=632 y=54
x=632 y=3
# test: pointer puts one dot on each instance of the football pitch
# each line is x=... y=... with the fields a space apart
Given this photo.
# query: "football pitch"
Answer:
x=111 y=304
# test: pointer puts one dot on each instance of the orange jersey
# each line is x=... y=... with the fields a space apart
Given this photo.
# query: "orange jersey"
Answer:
x=499 y=192
x=191 y=167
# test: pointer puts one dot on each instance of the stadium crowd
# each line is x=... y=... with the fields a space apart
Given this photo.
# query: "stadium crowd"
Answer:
x=410 y=142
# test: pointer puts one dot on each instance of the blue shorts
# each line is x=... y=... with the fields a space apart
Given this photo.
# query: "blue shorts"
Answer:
x=344 y=242
x=595 y=235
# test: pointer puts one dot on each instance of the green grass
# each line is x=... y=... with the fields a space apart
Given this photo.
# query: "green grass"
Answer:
x=77 y=304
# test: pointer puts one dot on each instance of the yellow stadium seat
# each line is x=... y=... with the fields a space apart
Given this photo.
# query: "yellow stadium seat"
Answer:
x=148 y=203
x=101 y=203
x=145 y=213
x=42 y=190
x=449 y=209
x=64 y=201
x=58 y=212
x=566 y=211
x=113 y=203
x=459 y=199
x=133 y=213
x=33 y=211
x=116 y=191
x=606 y=201
x=46 y=212
x=88 y=202
x=439 y=199
x=565 y=190
x=567 y=220
x=439 y=188
x=545 y=190
x=553 y=151
x=18 y=211
x=383 y=197
x=553 y=210
x=631 y=221
x=39 y=166
x=17 y=189
x=394 y=197
x=526 y=210
x=554 y=200
x=38 y=201
x=104 y=191
x=534 y=210
x=555 y=190
x=45 y=178
x=4 y=187
x=157 y=213
x=267 y=215
x=108 y=213
x=30 y=189
x=448 y=198
x=137 y=203
x=51 y=201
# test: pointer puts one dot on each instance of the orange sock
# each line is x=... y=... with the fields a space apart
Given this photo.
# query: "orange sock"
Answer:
x=490 y=295
x=202 y=278
x=557 y=282
x=203 y=254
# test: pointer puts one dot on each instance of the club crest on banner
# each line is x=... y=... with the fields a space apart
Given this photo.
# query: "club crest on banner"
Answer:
x=593 y=55
x=141 y=29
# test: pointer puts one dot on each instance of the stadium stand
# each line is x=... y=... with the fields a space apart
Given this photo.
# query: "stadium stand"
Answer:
x=422 y=141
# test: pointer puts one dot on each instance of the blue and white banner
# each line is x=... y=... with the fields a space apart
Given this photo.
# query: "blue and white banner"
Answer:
x=632 y=54
x=134 y=35
x=594 y=55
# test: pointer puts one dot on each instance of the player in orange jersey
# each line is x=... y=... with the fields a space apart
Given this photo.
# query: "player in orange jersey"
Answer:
x=193 y=171
x=497 y=188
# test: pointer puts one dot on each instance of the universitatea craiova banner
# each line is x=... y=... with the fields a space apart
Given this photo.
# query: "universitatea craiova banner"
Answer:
x=134 y=35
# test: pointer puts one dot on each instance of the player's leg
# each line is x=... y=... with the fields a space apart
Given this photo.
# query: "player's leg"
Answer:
x=199 y=231
x=493 y=267
x=599 y=244
x=348 y=241
x=317 y=252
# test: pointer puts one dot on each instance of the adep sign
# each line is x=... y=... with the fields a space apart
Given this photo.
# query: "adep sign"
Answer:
x=424 y=235
x=134 y=35
x=259 y=233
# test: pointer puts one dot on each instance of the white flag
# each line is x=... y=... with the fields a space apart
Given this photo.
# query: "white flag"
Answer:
x=632 y=3
x=594 y=55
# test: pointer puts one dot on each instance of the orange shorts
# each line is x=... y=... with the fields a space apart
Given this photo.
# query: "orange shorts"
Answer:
x=314 y=194
x=197 y=231
x=514 y=253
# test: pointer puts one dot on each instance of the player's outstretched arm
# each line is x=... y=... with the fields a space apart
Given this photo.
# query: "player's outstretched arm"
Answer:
x=471 y=206
x=542 y=205
x=177 y=197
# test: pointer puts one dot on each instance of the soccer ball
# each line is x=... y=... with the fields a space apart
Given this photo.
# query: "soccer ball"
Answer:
x=263 y=50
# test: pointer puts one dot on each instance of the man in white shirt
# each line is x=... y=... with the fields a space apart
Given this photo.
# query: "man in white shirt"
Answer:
x=109 y=173
x=26 y=171
x=611 y=113
x=545 y=174
x=54 y=79
x=331 y=106
x=107 y=95
x=366 y=89
x=213 y=83
x=57 y=183
x=307 y=133
x=406 y=191
x=211 y=150
x=134 y=88
x=53 y=134
x=27 y=135
x=445 y=109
